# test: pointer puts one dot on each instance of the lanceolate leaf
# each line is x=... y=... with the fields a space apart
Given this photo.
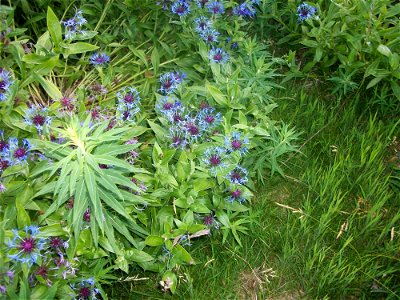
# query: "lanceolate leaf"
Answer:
x=54 y=27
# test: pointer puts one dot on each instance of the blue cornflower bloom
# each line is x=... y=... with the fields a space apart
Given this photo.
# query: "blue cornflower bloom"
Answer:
x=25 y=248
x=5 y=83
x=305 y=11
x=209 y=35
x=18 y=154
x=168 y=106
x=74 y=25
x=168 y=83
x=215 y=7
x=5 y=162
x=192 y=129
x=214 y=159
x=37 y=116
x=202 y=23
x=99 y=59
x=181 y=8
x=4 y=145
x=235 y=142
x=177 y=137
x=245 y=10
x=201 y=3
x=86 y=289
x=208 y=119
x=218 y=55
x=236 y=195
x=128 y=103
x=211 y=222
x=238 y=175
x=179 y=76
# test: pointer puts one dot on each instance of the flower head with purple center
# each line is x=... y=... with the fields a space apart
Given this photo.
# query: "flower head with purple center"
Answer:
x=218 y=55
x=73 y=26
x=168 y=83
x=168 y=106
x=99 y=59
x=215 y=7
x=128 y=104
x=214 y=159
x=209 y=119
x=211 y=222
x=177 y=137
x=192 y=129
x=38 y=116
x=25 y=247
x=209 y=35
x=86 y=289
x=181 y=8
x=305 y=11
x=5 y=83
x=202 y=24
x=236 y=143
x=236 y=195
x=18 y=154
x=67 y=105
x=238 y=175
x=245 y=9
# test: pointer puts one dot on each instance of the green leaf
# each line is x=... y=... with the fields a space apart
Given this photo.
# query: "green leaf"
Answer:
x=309 y=43
x=22 y=216
x=138 y=256
x=76 y=48
x=158 y=130
x=49 y=87
x=373 y=82
x=218 y=96
x=154 y=241
x=385 y=50
x=54 y=27
x=155 y=60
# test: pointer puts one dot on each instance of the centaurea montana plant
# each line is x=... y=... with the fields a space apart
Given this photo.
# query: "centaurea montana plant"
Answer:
x=5 y=83
x=38 y=116
x=18 y=154
x=181 y=8
x=25 y=247
x=74 y=26
x=128 y=104
x=235 y=142
x=215 y=7
x=100 y=59
x=218 y=55
x=305 y=11
x=214 y=158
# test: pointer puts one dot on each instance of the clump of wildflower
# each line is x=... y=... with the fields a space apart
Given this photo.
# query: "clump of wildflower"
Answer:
x=238 y=175
x=99 y=59
x=209 y=35
x=73 y=26
x=215 y=7
x=177 y=137
x=192 y=129
x=218 y=55
x=170 y=82
x=128 y=103
x=5 y=83
x=245 y=9
x=169 y=107
x=202 y=23
x=86 y=289
x=211 y=222
x=209 y=119
x=236 y=195
x=38 y=117
x=18 y=154
x=67 y=105
x=236 y=143
x=181 y=8
x=214 y=159
x=305 y=11
x=25 y=247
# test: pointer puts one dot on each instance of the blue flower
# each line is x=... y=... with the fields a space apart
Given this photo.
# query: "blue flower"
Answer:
x=128 y=103
x=177 y=137
x=236 y=195
x=181 y=8
x=73 y=26
x=192 y=129
x=179 y=76
x=211 y=222
x=235 y=142
x=4 y=145
x=305 y=11
x=215 y=7
x=86 y=289
x=25 y=248
x=214 y=159
x=201 y=3
x=218 y=55
x=99 y=59
x=18 y=154
x=5 y=83
x=238 y=175
x=169 y=106
x=245 y=10
x=208 y=119
x=202 y=23
x=37 y=116
x=168 y=82
x=209 y=35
